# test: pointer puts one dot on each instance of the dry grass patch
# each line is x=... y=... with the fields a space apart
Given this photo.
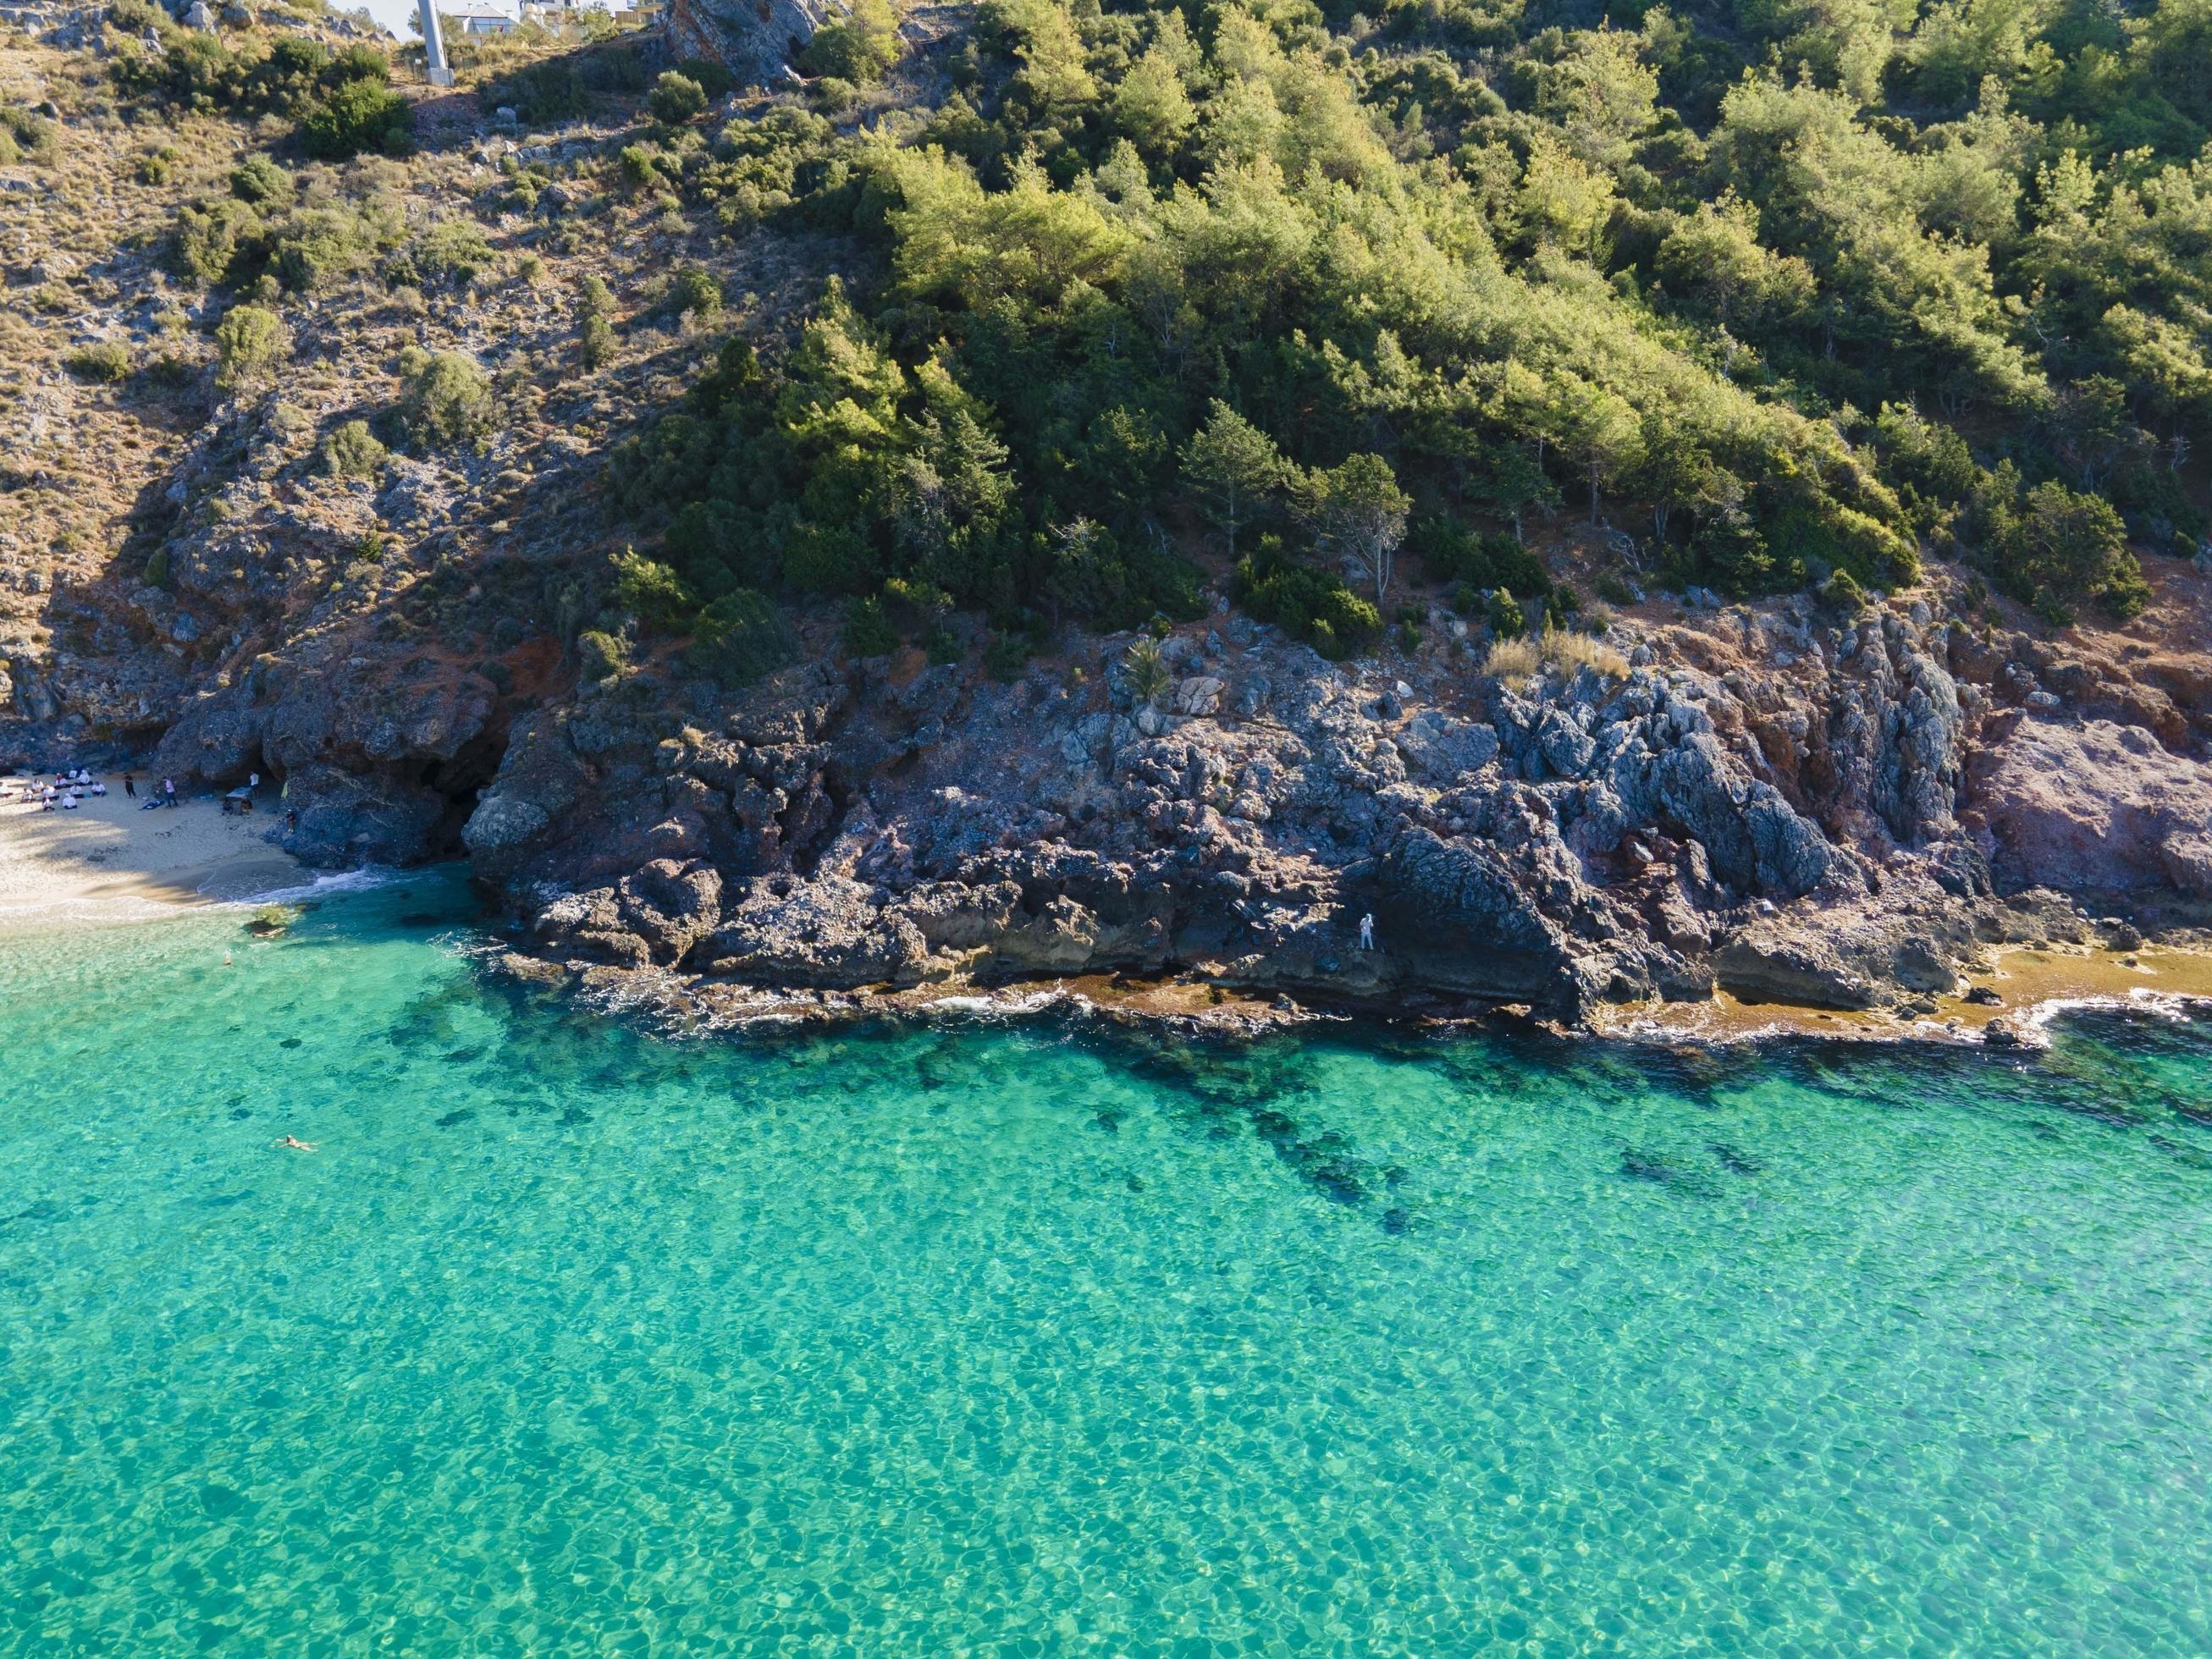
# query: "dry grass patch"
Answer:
x=1515 y=662
x=1569 y=652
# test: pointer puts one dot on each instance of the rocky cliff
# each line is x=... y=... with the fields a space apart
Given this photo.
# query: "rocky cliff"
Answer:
x=756 y=38
x=1839 y=818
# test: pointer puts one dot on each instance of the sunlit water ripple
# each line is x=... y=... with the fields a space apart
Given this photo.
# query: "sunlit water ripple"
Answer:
x=1040 y=1339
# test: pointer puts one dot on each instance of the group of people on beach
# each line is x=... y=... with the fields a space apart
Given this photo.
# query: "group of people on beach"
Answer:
x=63 y=794
x=69 y=790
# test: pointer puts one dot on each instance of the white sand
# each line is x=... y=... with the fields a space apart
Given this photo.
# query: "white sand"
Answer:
x=109 y=859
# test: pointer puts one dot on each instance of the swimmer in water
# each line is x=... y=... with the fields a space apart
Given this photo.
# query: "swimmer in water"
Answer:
x=295 y=1145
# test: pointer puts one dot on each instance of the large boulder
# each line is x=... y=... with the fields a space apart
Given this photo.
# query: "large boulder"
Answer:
x=2094 y=806
x=1804 y=968
x=349 y=818
x=830 y=931
x=756 y=38
x=217 y=738
x=1441 y=750
x=1454 y=912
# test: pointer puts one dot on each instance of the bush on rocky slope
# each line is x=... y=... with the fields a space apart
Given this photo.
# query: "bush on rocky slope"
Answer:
x=341 y=99
x=446 y=398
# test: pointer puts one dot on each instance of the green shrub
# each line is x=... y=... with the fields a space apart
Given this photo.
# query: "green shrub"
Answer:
x=154 y=167
x=2060 y=549
x=712 y=78
x=695 y=290
x=258 y=181
x=358 y=116
x=313 y=247
x=156 y=573
x=676 y=99
x=1506 y=620
x=1007 y=654
x=858 y=47
x=833 y=95
x=740 y=637
x=1452 y=552
x=868 y=630
x=601 y=656
x=1149 y=674
x=1308 y=604
x=250 y=342
x=1842 y=592
x=596 y=342
x=216 y=242
x=353 y=452
x=29 y=136
x=642 y=167
x=446 y=397
x=1728 y=551
x=104 y=361
x=451 y=249
x=652 y=593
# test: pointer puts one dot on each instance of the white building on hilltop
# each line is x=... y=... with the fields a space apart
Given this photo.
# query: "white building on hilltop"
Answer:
x=478 y=17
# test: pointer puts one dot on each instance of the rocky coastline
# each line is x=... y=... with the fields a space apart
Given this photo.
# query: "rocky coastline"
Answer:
x=1849 y=816
x=1772 y=806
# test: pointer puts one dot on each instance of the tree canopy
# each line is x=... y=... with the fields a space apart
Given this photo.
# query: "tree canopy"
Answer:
x=1781 y=289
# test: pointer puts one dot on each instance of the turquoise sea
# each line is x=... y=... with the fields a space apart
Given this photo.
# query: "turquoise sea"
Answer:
x=1044 y=1338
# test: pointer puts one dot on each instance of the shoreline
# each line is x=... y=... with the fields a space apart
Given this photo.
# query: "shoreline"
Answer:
x=110 y=860
x=2033 y=984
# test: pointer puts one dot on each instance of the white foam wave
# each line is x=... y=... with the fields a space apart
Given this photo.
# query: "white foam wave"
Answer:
x=1009 y=1005
x=321 y=885
x=2174 y=1006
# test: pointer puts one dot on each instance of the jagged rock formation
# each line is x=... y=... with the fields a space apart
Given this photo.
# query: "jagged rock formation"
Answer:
x=756 y=38
x=1791 y=835
x=374 y=751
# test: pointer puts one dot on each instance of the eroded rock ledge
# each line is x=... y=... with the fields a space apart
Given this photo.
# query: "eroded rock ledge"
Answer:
x=1845 y=817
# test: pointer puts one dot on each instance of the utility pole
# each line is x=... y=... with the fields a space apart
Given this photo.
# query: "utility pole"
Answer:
x=434 y=48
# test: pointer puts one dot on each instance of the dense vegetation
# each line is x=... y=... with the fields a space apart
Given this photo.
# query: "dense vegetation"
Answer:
x=1789 y=291
x=342 y=102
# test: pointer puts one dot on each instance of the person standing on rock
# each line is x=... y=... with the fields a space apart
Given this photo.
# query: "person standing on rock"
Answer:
x=168 y=792
x=129 y=786
x=1367 y=932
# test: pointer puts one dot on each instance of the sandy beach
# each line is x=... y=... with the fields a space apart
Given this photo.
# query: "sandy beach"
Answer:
x=110 y=861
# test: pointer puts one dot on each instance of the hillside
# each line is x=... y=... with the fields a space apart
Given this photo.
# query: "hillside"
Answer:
x=1630 y=501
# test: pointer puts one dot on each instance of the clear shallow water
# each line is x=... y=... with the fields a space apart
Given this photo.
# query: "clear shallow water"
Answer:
x=1036 y=1340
